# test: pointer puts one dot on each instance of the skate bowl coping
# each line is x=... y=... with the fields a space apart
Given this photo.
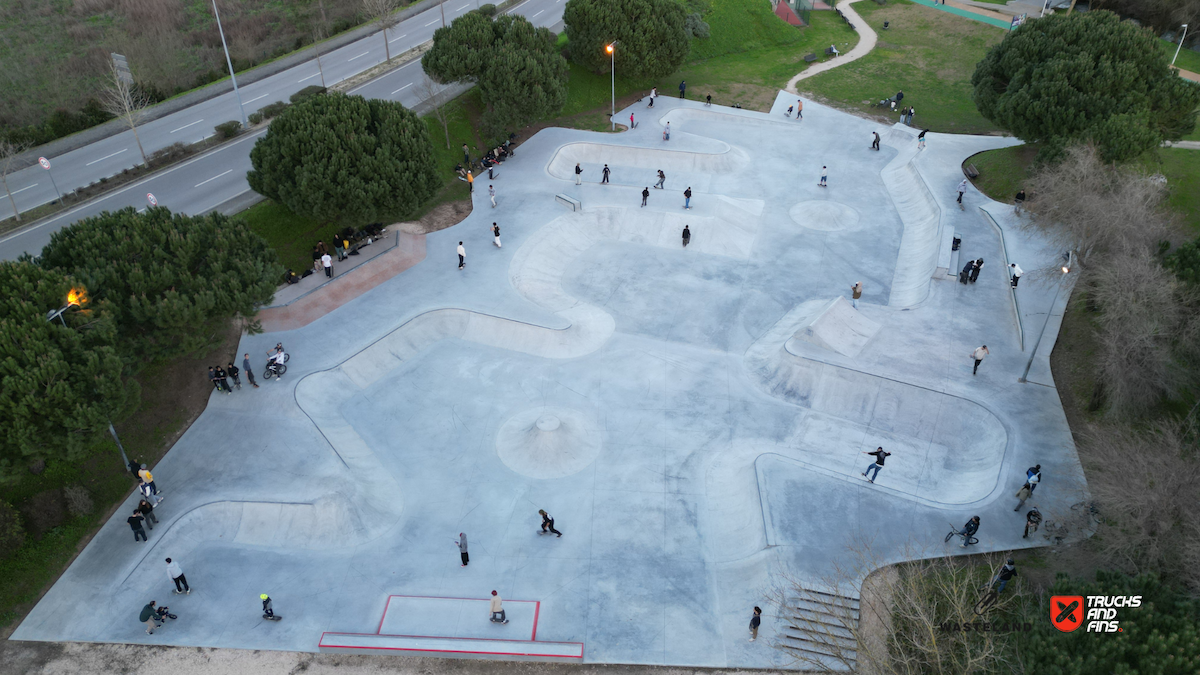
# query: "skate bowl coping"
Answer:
x=568 y=202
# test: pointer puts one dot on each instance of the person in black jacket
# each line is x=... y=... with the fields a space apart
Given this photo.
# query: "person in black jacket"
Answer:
x=645 y=195
x=1008 y=571
x=135 y=523
x=233 y=371
x=223 y=380
x=880 y=455
x=547 y=523
x=969 y=530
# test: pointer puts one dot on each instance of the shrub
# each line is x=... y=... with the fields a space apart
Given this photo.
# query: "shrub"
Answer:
x=12 y=534
x=487 y=10
x=273 y=110
x=254 y=117
x=306 y=92
x=229 y=129
x=695 y=26
x=79 y=500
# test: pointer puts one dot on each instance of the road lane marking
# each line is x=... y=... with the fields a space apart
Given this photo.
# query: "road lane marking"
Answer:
x=35 y=184
x=536 y=15
x=314 y=75
x=213 y=178
x=463 y=7
x=401 y=89
x=356 y=57
x=432 y=22
x=255 y=99
x=394 y=39
x=105 y=157
x=188 y=125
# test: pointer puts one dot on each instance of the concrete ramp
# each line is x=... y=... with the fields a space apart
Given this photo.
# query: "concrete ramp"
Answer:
x=917 y=260
x=840 y=328
x=697 y=166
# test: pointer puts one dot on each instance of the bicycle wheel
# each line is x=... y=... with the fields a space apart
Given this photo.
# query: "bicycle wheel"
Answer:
x=971 y=541
x=281 y=370
x=286 y=357
x=949 y=536
x=268 y=374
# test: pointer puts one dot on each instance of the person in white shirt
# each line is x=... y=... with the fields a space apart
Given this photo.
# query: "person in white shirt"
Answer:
x=978 y=355
x=1016 y=273
x=176 y=573
x=962 y=187
x=328 y=263
x=462 y=255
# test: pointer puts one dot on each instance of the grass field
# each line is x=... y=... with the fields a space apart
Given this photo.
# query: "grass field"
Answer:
x=928 y=54
x=1187 y=59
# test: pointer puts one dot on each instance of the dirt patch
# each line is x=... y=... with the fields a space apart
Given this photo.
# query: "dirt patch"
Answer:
x=43 y=512
x=441 y=217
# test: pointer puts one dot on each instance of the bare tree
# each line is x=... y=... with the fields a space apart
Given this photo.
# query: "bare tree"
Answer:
x=124 y=100
x=383 y=14
x=8 y=154
x=431 y=92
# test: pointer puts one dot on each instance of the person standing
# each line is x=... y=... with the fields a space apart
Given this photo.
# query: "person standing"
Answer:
x=976 y=269
x=148 y=478
x=962 y=187
x=1016 y=272
x=462 y=548
x=147 y=510
x=149 y=492
x=687 y=236
x=233 y=373
x=875 y=140
x=249 y=371
x=667 y=132
x=547 y=523
x=662 y=179
x=1032 y=520
x=799 y=109
x=462 y=256
x=470 y=183
x=492 y=195
x=911 y=113
x=755 y=622
x=824 y=177
x=1019 y=200
x=604 y=178
x=212 y=377
x=497 y=608
x=978 y=355
x=1007 y=572
x=855 y=293
x=653 y=93
x=879 y=455
x=921 y=139
x=1023 y=494
x=496 y=235
x=223 y=378
x=682 y=88
x=327 y=263
x=316 y=256
x=965 y=275
x=645 y=195
x=466 y=156
x=1033 y=477
x=632 y=124
x=176 y=573
x=687 y=198
x=135 y=465
x=578 y=174
x=337 y=248
x=135 y=523
x=149 y=616
x=708 y=100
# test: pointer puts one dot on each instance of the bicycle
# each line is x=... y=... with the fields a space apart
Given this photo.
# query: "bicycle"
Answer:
x=274 y=370
x=955 y=531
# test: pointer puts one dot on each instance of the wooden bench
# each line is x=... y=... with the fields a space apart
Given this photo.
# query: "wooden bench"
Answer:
x=971 y=171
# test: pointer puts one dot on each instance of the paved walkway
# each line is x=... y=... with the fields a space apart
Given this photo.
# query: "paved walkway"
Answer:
x=865 y=44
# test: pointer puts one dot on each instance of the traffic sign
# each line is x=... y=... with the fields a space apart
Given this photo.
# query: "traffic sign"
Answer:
x=150 y=198
x=44 y=162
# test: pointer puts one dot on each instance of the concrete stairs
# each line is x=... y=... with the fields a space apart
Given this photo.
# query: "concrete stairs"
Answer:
x=820 y=627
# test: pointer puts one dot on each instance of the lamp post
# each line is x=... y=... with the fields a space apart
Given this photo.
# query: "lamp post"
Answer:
x=1181 y=39
x=229 y=63
x=76 y=299
x=1066 y=269
x=612 y=71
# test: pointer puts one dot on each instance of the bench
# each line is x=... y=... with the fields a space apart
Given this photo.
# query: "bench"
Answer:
x=568 y=202
x=971 y=171
x=810 y=58
x=830 y=51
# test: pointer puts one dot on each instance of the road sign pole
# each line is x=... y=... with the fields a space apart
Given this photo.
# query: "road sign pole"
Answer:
x=46 y=165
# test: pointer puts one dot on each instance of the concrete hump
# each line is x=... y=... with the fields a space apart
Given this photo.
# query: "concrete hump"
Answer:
x=839 y=327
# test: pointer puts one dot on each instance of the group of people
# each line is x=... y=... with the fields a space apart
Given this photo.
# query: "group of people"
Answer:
x=143 y=517
x=220 y=377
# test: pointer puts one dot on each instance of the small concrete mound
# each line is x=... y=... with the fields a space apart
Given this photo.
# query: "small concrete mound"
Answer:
x=548 y=442
x=839 y=327
x=824 y=216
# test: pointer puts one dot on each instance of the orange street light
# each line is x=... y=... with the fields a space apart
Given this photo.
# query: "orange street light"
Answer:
x=612 y=70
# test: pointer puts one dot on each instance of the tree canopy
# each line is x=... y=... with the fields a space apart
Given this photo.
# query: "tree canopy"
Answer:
x=165 y=276
x=652 y=34
x=58 y=383
x=1085 y=76
x=520 y=74
x=338 y=157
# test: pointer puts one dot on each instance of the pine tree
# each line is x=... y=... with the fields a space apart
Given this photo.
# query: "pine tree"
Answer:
x=166 y=277
x=58 y=383
x=652 y=34
x=345 y=158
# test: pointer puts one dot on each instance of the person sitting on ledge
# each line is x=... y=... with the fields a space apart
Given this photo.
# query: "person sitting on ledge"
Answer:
x=291 y=277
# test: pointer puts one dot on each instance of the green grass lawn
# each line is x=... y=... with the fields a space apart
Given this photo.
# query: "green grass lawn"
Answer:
x=1002 y=172
x=928 y=54
x=1187 y=60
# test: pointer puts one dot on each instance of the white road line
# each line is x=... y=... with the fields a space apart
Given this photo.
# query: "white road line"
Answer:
x=463 y=7
x=536 y=15
x=187 y=125
x=255 y=99
x=214 y=177
x=35 y=184
x=432 y=22
x=105 y=157
x=394 y=92
x=314 y=75
x=394 y=39
x=355 y=57
x=513 y=10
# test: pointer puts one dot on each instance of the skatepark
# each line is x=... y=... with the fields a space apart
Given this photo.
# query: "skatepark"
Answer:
x=693 y=417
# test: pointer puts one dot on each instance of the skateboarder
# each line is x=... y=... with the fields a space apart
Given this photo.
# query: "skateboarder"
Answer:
x=824 y=176
x=880 y=455
x=497 y=609
x=604 y=178
x=687 y=236
x=547 y=523
x=962 y=187
x=176 y=573
x=662 y=178
x=492 y=195
x=875 y=140
x=462 y=548
x=978 y=355
x=462 y=256
x=645 y=195
x=578 y=174
x=496 y=235
x=1016 y=273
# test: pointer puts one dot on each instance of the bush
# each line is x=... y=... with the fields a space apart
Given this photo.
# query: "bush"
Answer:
x=79 y=500
x=229 y=129
x=12 y=534
x=254 y=117
x=695 y=26
x=306 y=92
x=487 y=10
x=273 y=110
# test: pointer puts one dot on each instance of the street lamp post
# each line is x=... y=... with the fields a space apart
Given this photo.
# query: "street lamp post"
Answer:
x=1066 y=269
x=229 y=62
x=612 y=71
x=1181 y=39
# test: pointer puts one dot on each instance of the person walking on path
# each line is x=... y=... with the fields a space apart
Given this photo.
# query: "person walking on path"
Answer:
x=687 y=198
x=962 y=187
x=578 y=174
x=875 y=140
x=223 y=378
x=604 y=178
x=855 y=293
x=799 y=109
x=976 y=269
x=879 y=455
x=135 y=523
x=645 y=195
x=1032 y=520
x=149 y=492
x=149 y=616
x=653 y=94
x=1033 y=477
x=497 y=608
x=462 y=256
x=1006 y=573
x=145 y=508
x=632 y=124
x=921 y=139
x=662 y=179
x=978 y=355
x=492 y=195
x=824 y=177
x=755 y=622
x=667 y=132
x=1019 y=201
x=176 y=573
x=327 y=263
x=682 y=88
x=969 y=530
x=249 y=371
x=462 y=548
x=148 y=478
x=547 y=523
x=687 y=236
x=1023 y=494
x=1016 y=272
x=233 y=373
x=496 y=235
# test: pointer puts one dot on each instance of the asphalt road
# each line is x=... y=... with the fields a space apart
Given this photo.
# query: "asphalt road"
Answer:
x=210 y=179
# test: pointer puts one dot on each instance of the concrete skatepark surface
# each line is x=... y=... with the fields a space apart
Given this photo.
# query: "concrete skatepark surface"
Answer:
x=666 y=404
